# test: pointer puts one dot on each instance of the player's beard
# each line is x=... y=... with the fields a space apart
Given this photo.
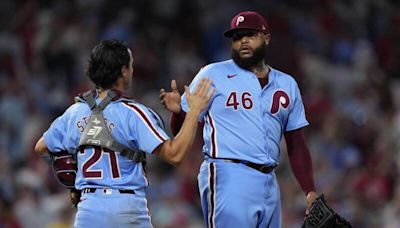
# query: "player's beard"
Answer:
x=259 y=54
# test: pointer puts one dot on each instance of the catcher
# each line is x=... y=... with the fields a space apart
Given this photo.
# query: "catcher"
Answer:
x=109 y=135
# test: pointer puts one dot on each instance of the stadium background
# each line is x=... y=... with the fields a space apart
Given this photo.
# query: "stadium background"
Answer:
x=344 y=54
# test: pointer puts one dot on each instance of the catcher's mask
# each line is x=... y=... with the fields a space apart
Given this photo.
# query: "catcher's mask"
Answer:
x=65 y=167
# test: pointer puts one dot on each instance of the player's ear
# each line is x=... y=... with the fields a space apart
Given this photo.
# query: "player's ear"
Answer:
x=124 y=70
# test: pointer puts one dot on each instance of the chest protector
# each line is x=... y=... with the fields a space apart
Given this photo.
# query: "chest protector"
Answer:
x=96 y=132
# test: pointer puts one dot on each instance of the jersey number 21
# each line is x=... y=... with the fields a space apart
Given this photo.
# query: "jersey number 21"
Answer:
x=97 y=154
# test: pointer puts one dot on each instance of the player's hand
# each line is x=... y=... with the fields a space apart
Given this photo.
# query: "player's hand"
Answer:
x=200 y=97
x=171 y=100
x=75 y=197
x=311 y=197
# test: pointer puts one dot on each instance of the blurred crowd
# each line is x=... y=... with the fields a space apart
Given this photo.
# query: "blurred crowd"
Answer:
x=344 y=54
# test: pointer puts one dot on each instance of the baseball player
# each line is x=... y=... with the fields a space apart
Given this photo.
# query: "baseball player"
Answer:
x=253 y=106
x=113 y=186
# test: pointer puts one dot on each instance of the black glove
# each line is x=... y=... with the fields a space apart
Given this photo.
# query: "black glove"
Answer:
x=322 y=216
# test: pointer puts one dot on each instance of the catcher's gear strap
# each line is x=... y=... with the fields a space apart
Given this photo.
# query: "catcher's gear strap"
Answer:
x=96 y=132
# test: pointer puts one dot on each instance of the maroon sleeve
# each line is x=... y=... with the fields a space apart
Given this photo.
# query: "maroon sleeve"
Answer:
x=300 y=159
x=176 y=122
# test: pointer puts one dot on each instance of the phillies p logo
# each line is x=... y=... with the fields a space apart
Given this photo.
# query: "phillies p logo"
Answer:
x=239 y=19
x=279 y=99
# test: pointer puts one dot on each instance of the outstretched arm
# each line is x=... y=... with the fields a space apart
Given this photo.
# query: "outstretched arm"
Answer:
x=301 y=163
x=174 y=150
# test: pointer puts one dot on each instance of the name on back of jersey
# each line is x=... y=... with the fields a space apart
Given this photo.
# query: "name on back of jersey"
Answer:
x=82 y=123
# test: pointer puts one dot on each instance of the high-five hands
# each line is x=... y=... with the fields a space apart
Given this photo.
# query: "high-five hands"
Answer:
x=196 y=100
x=171 y=100
x=200 y=97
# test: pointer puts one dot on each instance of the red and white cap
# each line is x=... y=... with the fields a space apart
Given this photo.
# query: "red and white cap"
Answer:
x=247 y=20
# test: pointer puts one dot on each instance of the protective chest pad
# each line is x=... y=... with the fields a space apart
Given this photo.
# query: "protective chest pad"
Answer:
x=96 y=133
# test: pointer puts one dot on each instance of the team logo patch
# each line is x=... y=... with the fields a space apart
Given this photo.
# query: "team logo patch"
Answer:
x=95 y=131
x=280 y=99
x=239 y=19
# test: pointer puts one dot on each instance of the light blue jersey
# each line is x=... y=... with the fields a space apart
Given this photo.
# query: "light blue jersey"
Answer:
x=113 y=186
x=244 y=121
x=131 y=124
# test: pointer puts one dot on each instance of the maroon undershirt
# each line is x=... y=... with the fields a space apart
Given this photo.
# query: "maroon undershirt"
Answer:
x=299 y=155
x=263 y=81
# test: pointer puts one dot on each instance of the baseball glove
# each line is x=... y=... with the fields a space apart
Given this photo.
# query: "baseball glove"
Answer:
x=323 y=216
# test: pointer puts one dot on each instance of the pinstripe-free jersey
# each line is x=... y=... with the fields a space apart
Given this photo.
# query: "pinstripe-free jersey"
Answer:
x=244 y=121
x=132 y=124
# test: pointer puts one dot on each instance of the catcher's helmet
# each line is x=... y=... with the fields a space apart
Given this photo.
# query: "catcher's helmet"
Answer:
x=65 y=167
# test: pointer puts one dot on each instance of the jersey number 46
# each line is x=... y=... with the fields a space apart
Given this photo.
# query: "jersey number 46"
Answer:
x=232 y=101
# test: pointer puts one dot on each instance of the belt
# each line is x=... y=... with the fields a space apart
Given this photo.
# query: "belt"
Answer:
x=258 y=167
x=93 y=190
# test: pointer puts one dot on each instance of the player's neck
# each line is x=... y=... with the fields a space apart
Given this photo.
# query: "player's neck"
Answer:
x=261 y=70
x=103 y=92
x=119 y=86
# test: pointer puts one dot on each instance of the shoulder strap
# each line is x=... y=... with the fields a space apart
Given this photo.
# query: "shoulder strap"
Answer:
x=96 y=132
x=90 y=100
x=110 y=95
